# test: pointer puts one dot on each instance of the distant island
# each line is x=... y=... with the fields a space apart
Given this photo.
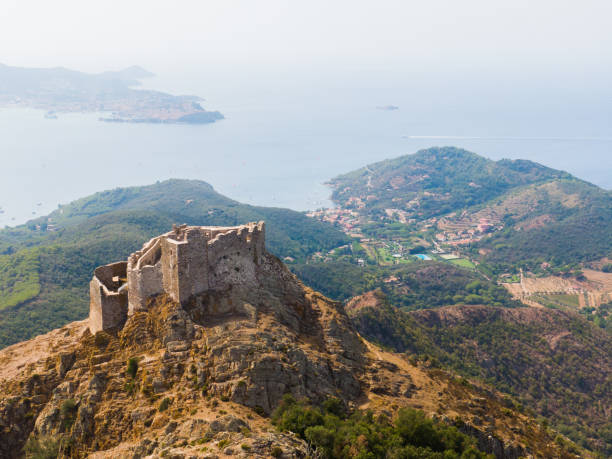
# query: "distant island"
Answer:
x=388 y=108
x=60 y=90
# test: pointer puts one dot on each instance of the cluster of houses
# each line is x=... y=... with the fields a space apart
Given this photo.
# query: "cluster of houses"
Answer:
x=347 y=219
x=49 y=225
x=400 y=215
x=465 y=232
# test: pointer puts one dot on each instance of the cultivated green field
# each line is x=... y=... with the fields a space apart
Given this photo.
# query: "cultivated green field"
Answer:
x=562 y=300
x=463 y=262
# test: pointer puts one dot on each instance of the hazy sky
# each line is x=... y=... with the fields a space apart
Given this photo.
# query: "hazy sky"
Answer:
x=541 y=37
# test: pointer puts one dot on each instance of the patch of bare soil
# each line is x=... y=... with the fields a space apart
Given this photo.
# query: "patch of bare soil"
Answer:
x=15 y=358
x=369 y=299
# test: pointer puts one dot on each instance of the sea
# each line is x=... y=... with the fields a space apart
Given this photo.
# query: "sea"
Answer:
x=283 y=138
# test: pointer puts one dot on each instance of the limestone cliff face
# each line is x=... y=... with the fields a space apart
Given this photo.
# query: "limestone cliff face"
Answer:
x=199 y=379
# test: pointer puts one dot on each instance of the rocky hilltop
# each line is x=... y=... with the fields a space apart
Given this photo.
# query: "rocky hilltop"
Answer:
x=197 y=375
x=46 y=265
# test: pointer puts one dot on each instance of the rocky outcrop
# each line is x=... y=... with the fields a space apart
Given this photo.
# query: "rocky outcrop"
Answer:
x=236 y=350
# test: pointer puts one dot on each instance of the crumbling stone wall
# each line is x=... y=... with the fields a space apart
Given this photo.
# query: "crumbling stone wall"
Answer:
x=144 y=275
x=185 y=264
x=233 y=257
x=108 y=297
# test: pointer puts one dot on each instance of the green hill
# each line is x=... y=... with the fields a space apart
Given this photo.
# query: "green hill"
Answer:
x=45 y=265
x=535 y=214
x=436 y=181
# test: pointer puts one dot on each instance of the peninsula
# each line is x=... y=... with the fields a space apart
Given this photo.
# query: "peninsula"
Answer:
x=60 y=90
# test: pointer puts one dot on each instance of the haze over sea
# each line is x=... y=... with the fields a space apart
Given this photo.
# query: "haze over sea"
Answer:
x=285 y=135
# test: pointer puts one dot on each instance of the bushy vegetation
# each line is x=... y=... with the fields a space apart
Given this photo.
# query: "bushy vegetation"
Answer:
x=384 y=229
x=42 y=448
x=68 y=412
x=411 y=286
x=164 y=404
x=600 y=317
x=333 y=432
x=576 y=235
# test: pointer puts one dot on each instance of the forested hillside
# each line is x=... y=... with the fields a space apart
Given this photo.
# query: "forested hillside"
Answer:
x=556 y=363
x=565 y=222
x=437 y=181
x=413 y=286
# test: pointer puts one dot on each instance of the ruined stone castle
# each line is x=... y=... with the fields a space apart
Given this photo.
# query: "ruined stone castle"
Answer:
x=183 y=263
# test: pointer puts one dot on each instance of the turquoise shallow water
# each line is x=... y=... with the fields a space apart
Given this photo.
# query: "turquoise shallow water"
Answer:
x=277 y=147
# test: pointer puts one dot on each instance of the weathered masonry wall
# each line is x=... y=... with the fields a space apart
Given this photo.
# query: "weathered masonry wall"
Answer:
x=108 y=297
x=233 y=257
x=144 y=274
x=185 y=262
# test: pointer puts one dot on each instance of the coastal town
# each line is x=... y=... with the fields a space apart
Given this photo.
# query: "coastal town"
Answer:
x=375 y=244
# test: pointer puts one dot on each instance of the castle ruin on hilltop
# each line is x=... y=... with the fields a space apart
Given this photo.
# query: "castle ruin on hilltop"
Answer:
x=187 y=261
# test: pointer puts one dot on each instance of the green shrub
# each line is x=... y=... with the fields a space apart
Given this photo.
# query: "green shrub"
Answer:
x=132 y=367
x=276 y=452
x=223 y=443
x=335 y=433
x=68 y=411
x=165 y=403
